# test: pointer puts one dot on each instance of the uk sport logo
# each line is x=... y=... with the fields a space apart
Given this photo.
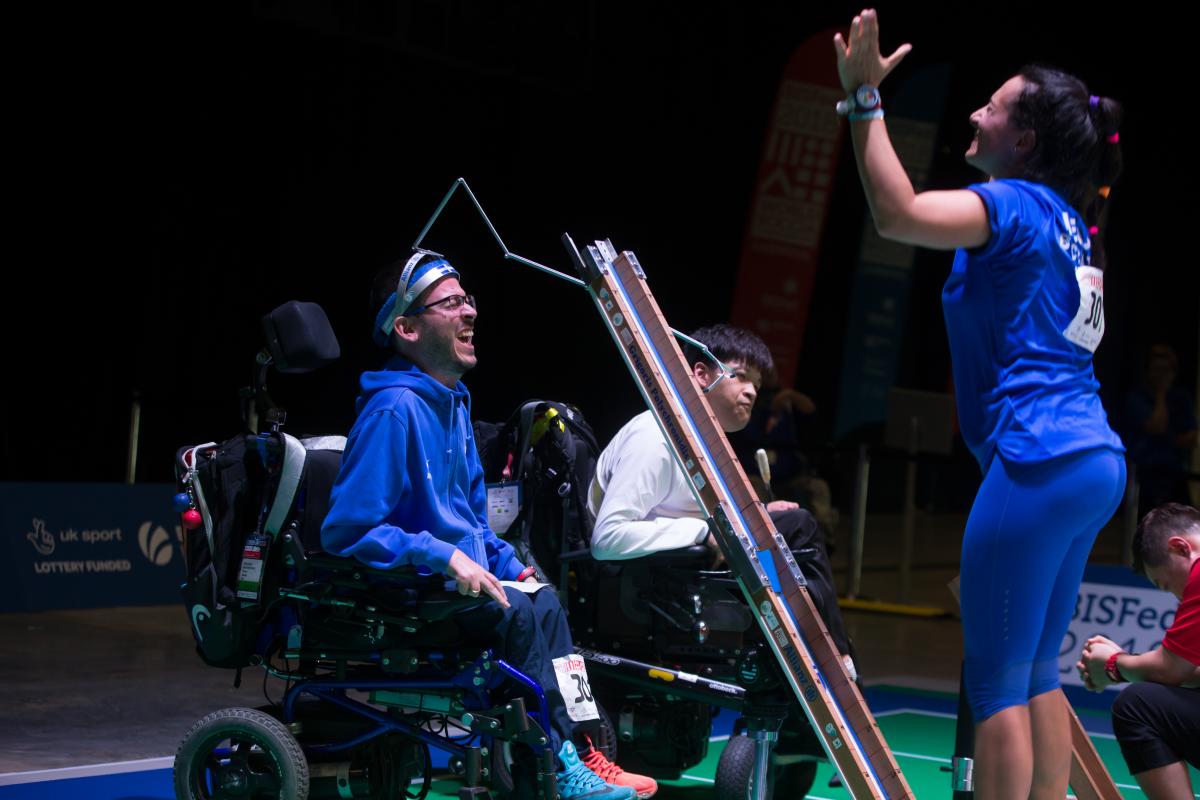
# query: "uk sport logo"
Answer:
x=155 y=544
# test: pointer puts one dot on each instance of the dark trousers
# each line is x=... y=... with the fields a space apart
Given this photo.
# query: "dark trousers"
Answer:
x=802 y=532
x=528 y=635
x=1157 y=725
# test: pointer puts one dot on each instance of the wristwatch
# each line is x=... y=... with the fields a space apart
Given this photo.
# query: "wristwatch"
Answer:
x=865 y=103
x=1111 y=669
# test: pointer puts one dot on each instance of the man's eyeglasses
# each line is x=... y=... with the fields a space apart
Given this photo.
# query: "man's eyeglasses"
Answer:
x=451 y=303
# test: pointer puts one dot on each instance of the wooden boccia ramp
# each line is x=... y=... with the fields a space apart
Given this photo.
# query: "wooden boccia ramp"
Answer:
x=1089 y=779
x=759 y=557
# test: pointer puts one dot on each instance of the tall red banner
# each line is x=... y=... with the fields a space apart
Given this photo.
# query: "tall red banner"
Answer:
x=791 y=202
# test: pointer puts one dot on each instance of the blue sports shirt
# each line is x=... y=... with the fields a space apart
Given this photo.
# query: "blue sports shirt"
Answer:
x=1024 y=314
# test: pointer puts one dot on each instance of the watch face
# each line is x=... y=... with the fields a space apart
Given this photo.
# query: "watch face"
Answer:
x=867 y=97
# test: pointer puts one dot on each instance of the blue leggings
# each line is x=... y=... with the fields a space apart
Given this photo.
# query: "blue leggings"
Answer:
x=1026 y=544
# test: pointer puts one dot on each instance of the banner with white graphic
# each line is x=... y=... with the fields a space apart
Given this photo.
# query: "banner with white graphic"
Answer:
x=88 y=545
x=792 y=194
x=1116 y=603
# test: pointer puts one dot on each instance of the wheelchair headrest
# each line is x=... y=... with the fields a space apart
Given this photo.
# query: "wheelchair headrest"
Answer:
x=299 y=337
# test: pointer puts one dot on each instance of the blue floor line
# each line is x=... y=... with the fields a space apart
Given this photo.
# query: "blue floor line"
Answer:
x=155 y=784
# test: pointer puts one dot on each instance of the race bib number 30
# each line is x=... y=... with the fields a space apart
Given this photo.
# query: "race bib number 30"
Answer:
x=573 y=683
x=1087 y=328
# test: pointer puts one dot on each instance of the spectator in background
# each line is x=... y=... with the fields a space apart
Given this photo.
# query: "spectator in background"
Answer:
x=1161 y=422
x=779 y=424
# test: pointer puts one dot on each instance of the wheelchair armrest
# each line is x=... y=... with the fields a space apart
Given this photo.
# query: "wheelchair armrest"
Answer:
x=436 y=607
x=575 y=555
x=694 y=555
x=682 y=557
x=804 y=554
x=435 y=596
x=307 y=562
x=340 y=564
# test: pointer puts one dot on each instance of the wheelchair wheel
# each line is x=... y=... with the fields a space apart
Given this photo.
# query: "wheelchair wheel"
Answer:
x=736 y=765
x=240 y=753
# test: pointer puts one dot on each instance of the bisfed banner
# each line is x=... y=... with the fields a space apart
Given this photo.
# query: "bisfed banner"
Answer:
x=1116 y=603
x=88 y=545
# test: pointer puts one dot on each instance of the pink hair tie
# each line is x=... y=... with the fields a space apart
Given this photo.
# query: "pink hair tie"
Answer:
x=1116 y=137
x=1093 y=230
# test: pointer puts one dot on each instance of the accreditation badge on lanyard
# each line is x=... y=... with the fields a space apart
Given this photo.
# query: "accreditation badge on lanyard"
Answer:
x=503 y=505
x=250 y=576
x=1087 y=328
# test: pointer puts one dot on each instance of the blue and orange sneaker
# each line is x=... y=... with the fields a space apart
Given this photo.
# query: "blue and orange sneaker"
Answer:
x=577 y=782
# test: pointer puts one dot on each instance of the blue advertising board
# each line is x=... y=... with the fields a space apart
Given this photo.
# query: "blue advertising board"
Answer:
x=88 y=545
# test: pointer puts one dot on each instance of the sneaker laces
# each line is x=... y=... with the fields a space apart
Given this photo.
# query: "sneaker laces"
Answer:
x=598 y=763
x=579 y=777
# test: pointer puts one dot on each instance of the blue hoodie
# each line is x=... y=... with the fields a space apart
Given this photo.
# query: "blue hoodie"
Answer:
x=410 y=490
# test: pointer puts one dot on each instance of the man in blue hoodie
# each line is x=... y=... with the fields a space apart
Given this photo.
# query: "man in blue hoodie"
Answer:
x=411 y=493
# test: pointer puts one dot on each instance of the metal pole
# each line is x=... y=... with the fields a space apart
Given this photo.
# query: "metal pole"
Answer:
x=963 y=763
x=135 y=425
x=760 y=777
x=859 y=522
x=910 y=510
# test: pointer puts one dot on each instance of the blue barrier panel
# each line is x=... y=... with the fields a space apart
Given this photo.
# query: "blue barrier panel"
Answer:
x=88 y=545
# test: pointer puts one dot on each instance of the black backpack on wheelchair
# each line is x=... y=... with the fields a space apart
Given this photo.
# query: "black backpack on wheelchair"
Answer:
x=227 y=485
x=374 y=670
x=549 y=450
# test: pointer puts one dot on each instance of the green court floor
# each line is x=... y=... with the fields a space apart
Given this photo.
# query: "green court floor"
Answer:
x=921 y=740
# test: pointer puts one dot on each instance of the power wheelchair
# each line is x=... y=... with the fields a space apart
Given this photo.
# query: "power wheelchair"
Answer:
x=376 y=673
x=667 y=640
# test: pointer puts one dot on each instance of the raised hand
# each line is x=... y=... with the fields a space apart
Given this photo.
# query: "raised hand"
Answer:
x=859 y=61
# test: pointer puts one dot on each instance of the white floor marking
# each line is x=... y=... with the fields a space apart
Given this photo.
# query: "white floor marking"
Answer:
x=89 y=771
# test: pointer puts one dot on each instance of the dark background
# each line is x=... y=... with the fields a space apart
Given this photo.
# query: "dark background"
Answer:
x=180 y=171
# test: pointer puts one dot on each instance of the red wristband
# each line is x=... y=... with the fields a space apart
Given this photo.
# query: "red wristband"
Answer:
x=1111 y=669
x=528 y=572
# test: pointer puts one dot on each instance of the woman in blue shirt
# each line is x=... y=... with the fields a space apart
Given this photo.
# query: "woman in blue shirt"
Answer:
x=1024 y=309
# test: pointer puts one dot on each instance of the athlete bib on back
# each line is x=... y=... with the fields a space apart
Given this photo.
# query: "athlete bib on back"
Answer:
x=1087 y=328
